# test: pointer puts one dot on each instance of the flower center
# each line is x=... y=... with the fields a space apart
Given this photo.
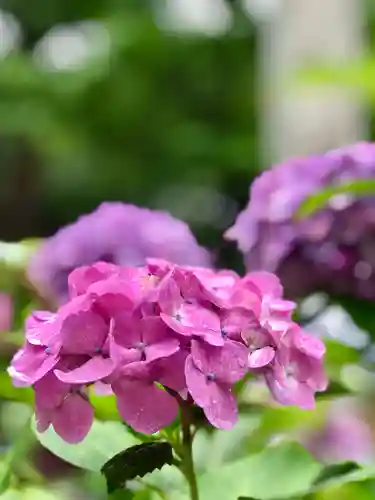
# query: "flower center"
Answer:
x=211 y=377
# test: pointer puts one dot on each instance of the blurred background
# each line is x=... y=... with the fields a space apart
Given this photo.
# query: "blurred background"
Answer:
x=177 y=105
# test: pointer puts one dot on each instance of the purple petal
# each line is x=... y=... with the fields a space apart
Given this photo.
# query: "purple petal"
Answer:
x=261 y=357
x=217 y=401
x=145 y=407
x=96 y=368
x=73 y=420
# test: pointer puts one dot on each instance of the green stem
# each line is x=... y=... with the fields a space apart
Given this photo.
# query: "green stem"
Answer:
x=187 y=445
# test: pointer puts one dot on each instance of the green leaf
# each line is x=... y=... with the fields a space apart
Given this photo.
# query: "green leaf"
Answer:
x=336 y=471
x=136 y=461
x=278 y=472
x=356 y=475
x=317 y=201
x=104 y=440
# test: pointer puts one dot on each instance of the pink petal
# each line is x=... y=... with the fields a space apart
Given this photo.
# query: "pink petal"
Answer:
x=172 y=371
x=229 y=363
x=113 y=295
x=153 y=330
x=83 y=333
x=121 y=355
x=145 y=407
x=81 y=278
x=217 y=401
x=290 y=392
x=50 y=392
x=126 y=330
x=31 y=363
x=268 y=283
x=261 y=357
x=95 y=369
x=162 y=349
x=43 y=418
x=73 y=420
x=310 y=345
x=40 y=328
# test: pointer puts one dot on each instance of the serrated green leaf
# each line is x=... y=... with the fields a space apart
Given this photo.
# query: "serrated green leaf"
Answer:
x=136 y=461
x=317 y=201
x=104 y=440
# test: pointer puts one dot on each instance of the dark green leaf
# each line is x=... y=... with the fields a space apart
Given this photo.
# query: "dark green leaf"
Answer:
x=136 y=461
x=355 y=476
x=335 y=471
x=314 y=203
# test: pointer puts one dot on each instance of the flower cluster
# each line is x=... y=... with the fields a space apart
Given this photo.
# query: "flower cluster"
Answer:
x=159 y=334
x=115 y=232
x=337 y=244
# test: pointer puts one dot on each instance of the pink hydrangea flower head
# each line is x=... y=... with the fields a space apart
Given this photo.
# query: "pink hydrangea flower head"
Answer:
x=116 y=233
x=336 y=245
x=160 y=334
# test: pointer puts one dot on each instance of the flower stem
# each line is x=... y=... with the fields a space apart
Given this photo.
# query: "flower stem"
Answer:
x=187 y=445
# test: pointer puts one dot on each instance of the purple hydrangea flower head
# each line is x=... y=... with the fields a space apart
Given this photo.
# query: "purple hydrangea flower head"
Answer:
x=336 y=245
x=116 y=233
x=344 y=436
x=160 y=334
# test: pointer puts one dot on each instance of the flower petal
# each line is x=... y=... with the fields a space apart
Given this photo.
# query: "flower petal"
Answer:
x=217 y=401
x=261 y=357
x=73 y=420
x=143 y=406
x=95 y=369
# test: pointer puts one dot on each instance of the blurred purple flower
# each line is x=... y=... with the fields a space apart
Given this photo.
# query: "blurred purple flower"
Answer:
x=116 y=233
x=6 y=312
x=334 y=249
x=344 y=436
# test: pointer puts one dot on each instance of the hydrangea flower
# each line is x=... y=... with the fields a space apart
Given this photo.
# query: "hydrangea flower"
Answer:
x=332 y=250
x=160 y=334
x=344 y=436
x=117 y=233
